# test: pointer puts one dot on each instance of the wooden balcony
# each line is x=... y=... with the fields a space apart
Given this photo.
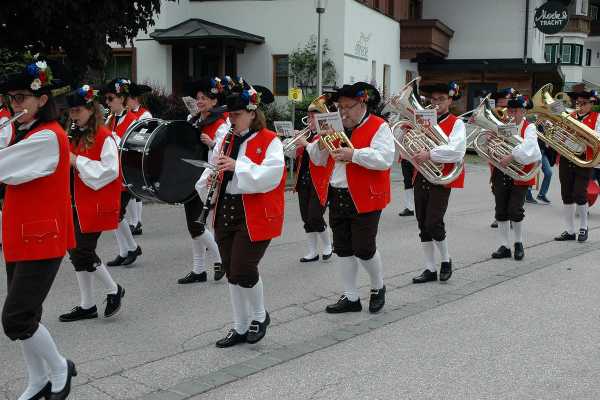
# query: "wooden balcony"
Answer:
x=424 y=37
x=578 y=24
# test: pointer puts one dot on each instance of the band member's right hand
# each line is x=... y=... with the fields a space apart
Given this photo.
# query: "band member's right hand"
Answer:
x=204 y=138
x=302 y=142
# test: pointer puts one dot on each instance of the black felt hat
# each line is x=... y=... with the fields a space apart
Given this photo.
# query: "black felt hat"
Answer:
x=451 y=89
x=362 y=90
x=39 y=77
x=245 y=97
x=591 y=95
x=505 y=93
x=136 y=90
x=117 y=86
x=82 y=96
x=519 y=101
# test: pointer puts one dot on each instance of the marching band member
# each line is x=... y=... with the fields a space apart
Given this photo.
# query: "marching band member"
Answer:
x=96 y=193
x=116 y=93
x=431 y=201
x=212 y=124
x=574 y=179
x=36 y=236
x=249 y=208
x=134 y=208
x=311 y=186
x=6 y=137
x=359 y=189
x=510 y=194
x=408 y=171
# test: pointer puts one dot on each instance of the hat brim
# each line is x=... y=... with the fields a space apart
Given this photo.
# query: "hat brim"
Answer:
x=438 y=88
x=353 y=91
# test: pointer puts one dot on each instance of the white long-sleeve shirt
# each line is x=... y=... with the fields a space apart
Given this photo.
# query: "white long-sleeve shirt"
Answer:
x=528 y=151
x=456 y=148
x=249 y=177
x=145 y=115
x=6 y=133
x=378 y=156
x=29 y=159
x=96 y=174
x=219 y=134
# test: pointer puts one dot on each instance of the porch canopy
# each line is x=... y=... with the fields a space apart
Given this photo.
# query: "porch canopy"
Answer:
x=195 y=29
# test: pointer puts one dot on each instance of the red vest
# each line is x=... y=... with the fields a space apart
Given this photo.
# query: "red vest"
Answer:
x=37 y=221
x=98 y=211
x=264 y=211
x=137 y=114
x=447 y=125
x=319 y=175
x=211 y=129
x=120 y=128
x=590 y=121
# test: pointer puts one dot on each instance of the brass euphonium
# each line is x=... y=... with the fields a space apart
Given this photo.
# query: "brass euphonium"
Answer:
x=493 y=147
x=412 y=137
x=565 y=134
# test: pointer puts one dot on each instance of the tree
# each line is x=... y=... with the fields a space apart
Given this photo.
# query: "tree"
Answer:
x=80 y=29
x=303 y=65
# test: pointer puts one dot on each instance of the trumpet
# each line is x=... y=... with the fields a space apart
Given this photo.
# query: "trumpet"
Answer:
x=13 y=119
x=334 y=140
x=290 y=144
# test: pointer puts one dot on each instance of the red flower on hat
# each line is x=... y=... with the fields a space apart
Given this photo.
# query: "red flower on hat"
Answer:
x=254 y=98
x=89 y=95
x=42 y=77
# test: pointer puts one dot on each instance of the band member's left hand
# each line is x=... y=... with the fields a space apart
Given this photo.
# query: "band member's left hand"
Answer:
x=72 y=159
x=204 y=138
x=422 y=156
x=225 y=163
x=342 y=154
x=506 y=160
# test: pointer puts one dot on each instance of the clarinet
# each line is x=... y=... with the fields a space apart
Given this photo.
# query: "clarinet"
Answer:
x=215 y=183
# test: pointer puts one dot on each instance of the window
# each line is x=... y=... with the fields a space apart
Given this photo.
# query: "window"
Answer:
x=565 y=57
x=594 y=12
x=577 y=55
x=550 y=53
x=121 y=64
x=571 y=53
x=588 y=57
x=280 y=75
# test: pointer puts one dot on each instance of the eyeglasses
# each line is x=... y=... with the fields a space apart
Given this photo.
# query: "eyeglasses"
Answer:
x=439 y=99
x=109 y=98
x=582 y=103
x=347 y=108
x=17 y=98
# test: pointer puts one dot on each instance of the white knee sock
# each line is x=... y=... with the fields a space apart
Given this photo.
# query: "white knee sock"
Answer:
x=518 y=230
x=409 y=199
x=239 y=309
x=569 y=210
x=504 y=231
x=256 y=301
x=121 y=243
x=442 y=247
x=37 y=373
x=42 y=345
x=209 y=242
x=348 y=272
x=374 y=267
x=326 y=241
x=583 y=216
x=139 y=205
x=429 y=252
x=198 y=256
x=86 y=291
x=312 y=242
x=102 y=274
x=130 y=213
x=126 y=236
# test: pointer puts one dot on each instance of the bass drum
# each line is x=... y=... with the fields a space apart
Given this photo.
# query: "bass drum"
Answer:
x=151 y=159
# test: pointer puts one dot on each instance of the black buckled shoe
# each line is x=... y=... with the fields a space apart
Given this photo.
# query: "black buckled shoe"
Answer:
x=116 y=262
x=406 y=213
x=502 y=252
x=311 y=259
x=326 y=257
x=377 y=300
x=132 y=256
x=219 y=271
x=519 y=251
x=44 y=393
x=445 y=270
x=137 y=230
x=192 y=277
x=258 y=330
x=113 y=302
x=64 y=393
x=426 y=276
x=343 y=305
x=78 y=314
x=565 y=236
x=494 y=224
x=583 y=235
x=231 y=339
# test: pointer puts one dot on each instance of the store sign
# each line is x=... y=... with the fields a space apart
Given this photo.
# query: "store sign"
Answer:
x=551 y=18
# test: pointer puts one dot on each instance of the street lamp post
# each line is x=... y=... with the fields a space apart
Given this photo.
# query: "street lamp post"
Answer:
x=320 y=5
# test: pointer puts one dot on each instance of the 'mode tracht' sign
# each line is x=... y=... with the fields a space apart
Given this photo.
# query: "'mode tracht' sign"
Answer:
x=551 y=18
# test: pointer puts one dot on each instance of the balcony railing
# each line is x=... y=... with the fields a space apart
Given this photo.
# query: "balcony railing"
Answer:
x=578 y=24
x=424 y=37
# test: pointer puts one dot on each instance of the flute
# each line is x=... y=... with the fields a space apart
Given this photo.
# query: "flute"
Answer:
x=13 y=119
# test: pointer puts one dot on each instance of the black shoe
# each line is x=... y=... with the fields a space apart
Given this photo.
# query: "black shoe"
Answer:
x=78 y=313
x=445 y=270
x=530 y=200
x=219 y=271
x=116 y=262
x=257 y=330
x=193 y=277
x=406 y=213
x=63 y=394
x=113 y=302
x=426 y=276
x=583 y=235
x=137 y=230
x=494 y=224
x=307 y=260
x=132 y=228
x=565 y=236
x=377 y=300
x=344 y=305
x=44 y=393
x=231 y=339
x=326 y=257
x=502 y=252
x=132 y=256
x=543 y=200
x=519 y=251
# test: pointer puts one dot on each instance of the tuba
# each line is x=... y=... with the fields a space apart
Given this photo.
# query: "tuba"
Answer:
x=493 y=147
x=565 y=134
x=412 y=137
